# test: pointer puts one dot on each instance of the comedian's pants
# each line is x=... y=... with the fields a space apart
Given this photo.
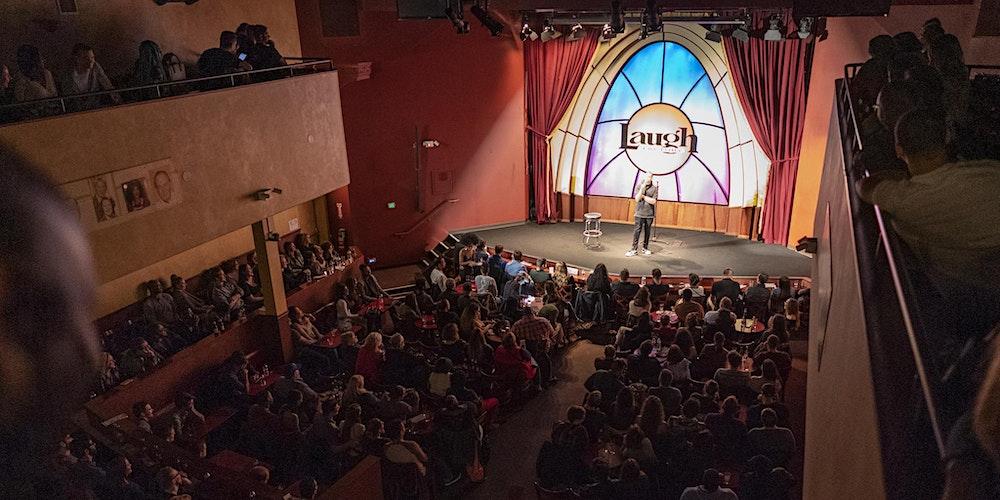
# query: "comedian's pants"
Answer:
x=642 y=225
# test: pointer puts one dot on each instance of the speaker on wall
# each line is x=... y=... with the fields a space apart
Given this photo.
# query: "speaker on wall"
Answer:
x=839 y=8
x=423 y=9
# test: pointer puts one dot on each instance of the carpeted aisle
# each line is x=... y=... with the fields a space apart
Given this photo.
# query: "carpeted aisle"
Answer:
x=675 y=251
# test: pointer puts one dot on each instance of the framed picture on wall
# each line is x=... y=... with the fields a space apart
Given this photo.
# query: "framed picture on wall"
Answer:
x=136 y=197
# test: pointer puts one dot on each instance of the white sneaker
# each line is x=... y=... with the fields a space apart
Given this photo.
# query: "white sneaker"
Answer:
x=630 y=253
x=647 y=252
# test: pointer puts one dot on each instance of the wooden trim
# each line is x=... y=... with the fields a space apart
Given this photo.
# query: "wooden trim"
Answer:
x=734 y=221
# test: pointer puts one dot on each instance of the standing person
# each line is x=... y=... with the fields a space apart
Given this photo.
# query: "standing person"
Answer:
x=645 y=212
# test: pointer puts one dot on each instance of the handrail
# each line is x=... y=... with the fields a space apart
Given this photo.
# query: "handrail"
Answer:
x=426 y=217
x=307 y=63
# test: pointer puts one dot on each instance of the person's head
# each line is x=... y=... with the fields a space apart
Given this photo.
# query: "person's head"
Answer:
x=666 y=378
x=645 y=348
x=710 y=480
x=396 y=341
x=768 y=417
x=227 y=41
x=373 y=342
x=165 y=431
x=395 y=429
x=881 y=47
x=651 y=414
x=762 y=279
x=932 y=29
x=618 y=366
x=594 y=399
x=623 y=275
x=293 y=371
x=726 y=304
x=694 y=279
x=341 y=291
x=542 y=264
x=365 y=270
x=601 y=271
x=184 y=400
x=356 y=383
x=374 y=427
x=945 y=54
x=562 y=268
x=691 y=408
x=449 y=334
x=308 y=487
x=908 y=41
x=442 y=365
x=121 y=467
x=498 y=250
x=352 y=413
x=687 y=295
x=441 y=263
x=625 y=399
x=260 y=474
x=30 y=63
x=730 y=406
x=142 y=410
x=657 y=274
x=83 y=57
x=610 y=352
x=630 y=470
x=711 y=388
x=295 y=314
x=674 y=354
x=727 y=272
x=349 y=339
x=575 y=414
x=769 y=370
x=691 y=321
x=733 y=360
x=509 y=341
x=772 y=342
x=719 y=339
x=778 y=324
x=684 y=341
x=791 y=309
x=634 y=436
x=785 y=284
x=168 y=479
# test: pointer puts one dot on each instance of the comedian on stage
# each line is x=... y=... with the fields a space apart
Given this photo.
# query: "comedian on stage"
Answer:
x=645 y=212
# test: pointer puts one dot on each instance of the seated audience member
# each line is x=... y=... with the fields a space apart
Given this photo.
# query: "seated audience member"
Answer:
x=685 y=426
x=758 y=299
x=444 y=314
x=567 y=462
x=686 y=305
x=85 y=76
x=651 y=418
x=223 y=60
x=439 y=381
x=452 y=346
x=371 y=357
x=729 y=431
x=513 y=363
x=709 y=489
x=608 y=382
x=678 y=364
x=480 y=352
x=873 y=74
x=231 y=386
x=697 y=291
x=684 y=339
x=768 y=375
x=370 y=282
x=143 y=413
x=623 y=411
x=296 y=259
x=623 y=287
x=261 y=54
x=778 y=327
x=722 y=319
x=352 y=432
x=732 y=378
x=402 y=367
x=497 y=265
x=423 y=303
x=670 y=397
x=402 y=451
x=355 y=393
x=347 y=352
x=165 y=431
x=185 y=300
x=392 y=407
x=292 y=381
x=713 y=356
x=561 y=275
x=516 y=264
x=158 y=307
x=540 y=274
x=249 y=287
x=596 y=420
x=604 y=362
x=139 y=359
x=726 y=287
x=632 y=482
x=637 y=446
x=305 y=335
x=640 y=304
x=767 y=399
x=374 y=440
x=170 y=482
x=226 y=295
x=186 y=419
x=346 y=320
x=776 y=443
x=164 y=342
x=486 y=285
x=456 y=434
x=471 y=321
x=708 y=398
x=108 y=376
x=536 y=335
x=292 y=277
x=148 y=67
x=120 y=484
x=34 y=81
x=657 y=289
x=438 y=279
x=464 y=394
x=628 y=339
x=780 y=294
x=467 y=263
x=516 y=288
x=642 y=366
x=449 y=295
x=598 y=281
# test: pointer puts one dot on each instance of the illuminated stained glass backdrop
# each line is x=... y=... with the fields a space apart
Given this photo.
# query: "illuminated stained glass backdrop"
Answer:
x=662 y=116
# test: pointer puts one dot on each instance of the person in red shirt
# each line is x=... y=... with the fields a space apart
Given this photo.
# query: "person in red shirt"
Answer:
x=513 y=363
x=371 y=356
x=537 y=334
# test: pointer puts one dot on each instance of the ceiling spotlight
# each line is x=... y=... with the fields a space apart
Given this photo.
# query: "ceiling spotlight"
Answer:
x=651 y=17
x=617 y=21
x=773 y=32
x=457 y=18
x=549 y=32
x=805 y=28
x=713 y=36
x=496 y=27
x=741 y=33
x=528 y=33
x=607 y=32
x=575 y=34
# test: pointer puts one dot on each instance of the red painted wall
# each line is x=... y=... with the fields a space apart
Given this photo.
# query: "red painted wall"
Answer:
x=465 y=91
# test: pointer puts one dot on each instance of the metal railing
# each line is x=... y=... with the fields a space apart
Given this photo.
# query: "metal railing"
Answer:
x=899 y=320
x=53 y=106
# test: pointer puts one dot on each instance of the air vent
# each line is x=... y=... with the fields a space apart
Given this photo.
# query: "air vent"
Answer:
x=67 y=6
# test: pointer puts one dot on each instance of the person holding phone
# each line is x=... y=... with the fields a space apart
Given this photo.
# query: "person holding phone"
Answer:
x=645 y=213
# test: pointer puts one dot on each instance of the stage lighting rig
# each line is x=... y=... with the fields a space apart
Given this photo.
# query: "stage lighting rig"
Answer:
x=617 y=22
x=457 y=18
x=549 y=32
x=774 y=29
x=651 y=20
x=713 y=34
x=526 y=32
x=482 y=13
x=607 y=32
x=576 y=33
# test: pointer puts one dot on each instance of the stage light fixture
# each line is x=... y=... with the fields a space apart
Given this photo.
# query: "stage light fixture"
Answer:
x=576 y=34
x=741 y=34
x=805 y=28
x=617 y=21
x=495 y=27
x=607 y=32
x=651 y=17
x=549 y=32
x=773 y=33
x=526 y=32
x=457 y=18
x=713 y=36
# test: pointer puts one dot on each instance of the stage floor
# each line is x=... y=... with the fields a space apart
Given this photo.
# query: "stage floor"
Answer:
x=676 y=252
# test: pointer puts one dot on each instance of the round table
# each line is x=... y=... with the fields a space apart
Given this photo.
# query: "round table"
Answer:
x=749 y=326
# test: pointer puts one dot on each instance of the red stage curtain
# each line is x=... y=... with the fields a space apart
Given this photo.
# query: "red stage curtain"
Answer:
x=770 y=79
x=553 y=70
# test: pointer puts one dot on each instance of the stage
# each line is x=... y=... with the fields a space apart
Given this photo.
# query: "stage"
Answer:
x=676 y=252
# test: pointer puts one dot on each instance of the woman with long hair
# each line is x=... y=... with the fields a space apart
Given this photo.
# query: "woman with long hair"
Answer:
x=371 y=356
x=561 y=275
x=34 y=81
x=623 y=410
x=651 y=417
x=353 y=390
x=598 y=281
x=768 y=375
x=480 y=352
x=346 y=320
x=640 y=303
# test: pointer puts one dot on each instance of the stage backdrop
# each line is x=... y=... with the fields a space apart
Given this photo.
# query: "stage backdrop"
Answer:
x=663 y=105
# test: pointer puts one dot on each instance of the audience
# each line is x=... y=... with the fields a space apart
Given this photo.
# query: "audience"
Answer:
x=222 y=60
x=85 y=76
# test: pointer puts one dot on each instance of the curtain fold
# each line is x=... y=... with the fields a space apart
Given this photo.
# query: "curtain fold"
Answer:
x=554 y=70
x=770 y=79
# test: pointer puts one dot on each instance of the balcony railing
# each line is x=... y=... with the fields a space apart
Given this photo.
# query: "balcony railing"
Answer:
x=919 y=396
x=94 y=100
